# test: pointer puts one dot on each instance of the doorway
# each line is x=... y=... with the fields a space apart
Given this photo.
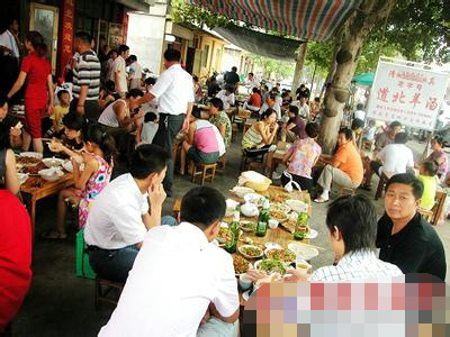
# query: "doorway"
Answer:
x=190 y=59
x=45 y=20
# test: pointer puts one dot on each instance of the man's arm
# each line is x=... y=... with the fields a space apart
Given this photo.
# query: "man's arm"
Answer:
x=188 y=116
x=156 y=197
x=82 y=99
x=230 y=319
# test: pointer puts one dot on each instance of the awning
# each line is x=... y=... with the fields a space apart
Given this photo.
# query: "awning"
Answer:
x=306 y=19
x=272 y=46
x=365 y=79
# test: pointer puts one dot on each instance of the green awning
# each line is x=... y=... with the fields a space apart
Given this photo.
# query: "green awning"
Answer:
x=365 y=79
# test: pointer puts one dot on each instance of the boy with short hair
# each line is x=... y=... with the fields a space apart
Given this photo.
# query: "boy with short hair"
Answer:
x=60 y=110
x=148 y=129
x=427 y=174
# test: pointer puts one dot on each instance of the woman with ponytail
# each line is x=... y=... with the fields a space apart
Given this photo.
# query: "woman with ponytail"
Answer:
x=97 y=158
x=37 y=72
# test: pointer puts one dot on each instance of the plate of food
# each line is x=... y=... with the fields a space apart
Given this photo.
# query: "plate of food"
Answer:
x=22 y=177
x=225 y=235
x=297 y=205
x=241 y=191
x=270 y=266
x=28 y=160
x=279 y=211
x=251 y=251
x=304 y=251
x=53 y=162
x=254 y=198
x=30 y=154
x=247 y=226
x=284 y=255
x=241 y=265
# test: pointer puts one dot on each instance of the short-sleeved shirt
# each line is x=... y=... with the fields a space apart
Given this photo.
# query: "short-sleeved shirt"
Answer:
x=58 y=114
x=441 y=158
x=156 y=301
x=415 y=249
x=15 y=252
x=222 y=119
x=255 y=100
x=351 y=163
x=303 y=154
x=115 y=218
x=429 y=191
x=227 y=100
x=231 y=78
x=382 y=140
x=299 y=128
x=37 y=69
x=174 y=90
x=87 y=72
x=119 y=66
x=396 y=158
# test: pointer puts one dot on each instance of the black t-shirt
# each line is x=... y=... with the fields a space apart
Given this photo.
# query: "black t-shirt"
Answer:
x=415 y=249
x=5 y=125
x=231 y=77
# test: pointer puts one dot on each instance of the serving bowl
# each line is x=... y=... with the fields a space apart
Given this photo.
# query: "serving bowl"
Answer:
x=51 y=174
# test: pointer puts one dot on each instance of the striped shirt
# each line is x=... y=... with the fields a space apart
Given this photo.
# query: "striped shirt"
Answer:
x=251 y=138
x=87 y=72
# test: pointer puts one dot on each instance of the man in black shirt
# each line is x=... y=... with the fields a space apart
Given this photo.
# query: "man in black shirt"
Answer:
x=231 y=77
x=404 y=237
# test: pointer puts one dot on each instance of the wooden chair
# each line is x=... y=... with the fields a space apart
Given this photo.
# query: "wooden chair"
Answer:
x=107 y=291
x=221 y=164
x=383 y=180
x=433 y=215
x=246 y=160
x=202 y=170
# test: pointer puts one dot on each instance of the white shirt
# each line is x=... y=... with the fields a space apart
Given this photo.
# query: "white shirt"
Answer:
x=175 y=276
x=275 y=107
x=8 y=40
x=227 y=100
x=303 y=111
x=119 y=66
x=115 y=218
x=360 y=114
x=149 y=130
x=174 y=90
x=108 y=116
x=359 y=265
x=396 y=158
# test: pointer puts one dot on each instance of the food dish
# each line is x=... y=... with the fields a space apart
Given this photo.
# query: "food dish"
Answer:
x=305 y=252
x=254 y=198
x=22 y=177
x=224 y=235
x=284 y=255
x=279 y=211
x=271 y=266
x=250 y=251
x=67 y=165
x=27 y=161
x=53 y=162
x=297 y=205
x=247 y=226
x=36 y=155
x=240 y=264
x=241 y=191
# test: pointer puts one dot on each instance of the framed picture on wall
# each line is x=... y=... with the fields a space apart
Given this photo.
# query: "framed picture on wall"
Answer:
x=45 y=20
x=115 y=35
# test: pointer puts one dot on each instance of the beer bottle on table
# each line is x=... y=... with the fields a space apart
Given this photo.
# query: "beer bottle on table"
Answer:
x=301 y=227
x=231 y=246
x=263 y=220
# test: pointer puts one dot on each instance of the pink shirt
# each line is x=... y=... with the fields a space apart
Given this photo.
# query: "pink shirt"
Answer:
x=204 y=137
x=303 y=154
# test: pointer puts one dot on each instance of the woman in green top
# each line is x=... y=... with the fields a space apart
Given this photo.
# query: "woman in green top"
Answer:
x=259 y=138
x=219 y=118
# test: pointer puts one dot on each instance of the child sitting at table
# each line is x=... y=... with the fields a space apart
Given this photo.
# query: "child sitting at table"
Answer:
x=97 y=159
x=71 y=139
x=427 y=174
x=59 y=111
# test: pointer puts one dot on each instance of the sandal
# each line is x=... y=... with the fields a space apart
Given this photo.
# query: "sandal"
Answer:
x=53 y=235
x=320 y=200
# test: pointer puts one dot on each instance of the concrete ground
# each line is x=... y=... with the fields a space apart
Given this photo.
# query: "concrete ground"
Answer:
x=60 y=304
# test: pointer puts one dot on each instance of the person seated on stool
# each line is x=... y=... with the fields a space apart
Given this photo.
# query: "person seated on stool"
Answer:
x=295 y=126
x=430 y=181
x=345 y=168
x=203 y=142
x=254 y=102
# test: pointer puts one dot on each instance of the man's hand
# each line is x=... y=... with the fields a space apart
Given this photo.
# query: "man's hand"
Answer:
x=80 y=110
x=256 y=275
x=16 y=131
x=185 y=127
x=156 y=195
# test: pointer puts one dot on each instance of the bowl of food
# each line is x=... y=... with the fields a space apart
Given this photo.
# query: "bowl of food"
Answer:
x=249 y=210
x=231 y=206
x=251 y=251
x=284 y=255
x=241 y=265
x=53 y=162
x=247 y=226
x=304 y=251
x=254 y=198
x=241 y=191
x=270 y=266
x=68 y=166
x=22 y=177
x=51 y=174
x=225 y=236
x=297 y=205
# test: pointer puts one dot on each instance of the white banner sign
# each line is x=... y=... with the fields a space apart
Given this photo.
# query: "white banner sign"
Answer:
x=407 y=94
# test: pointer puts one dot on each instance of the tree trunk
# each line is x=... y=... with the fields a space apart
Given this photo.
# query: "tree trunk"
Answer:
x=354 y=33
x=301 y=56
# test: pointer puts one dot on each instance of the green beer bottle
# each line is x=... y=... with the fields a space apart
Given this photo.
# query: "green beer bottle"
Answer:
x=263 y=220
x=231 y=246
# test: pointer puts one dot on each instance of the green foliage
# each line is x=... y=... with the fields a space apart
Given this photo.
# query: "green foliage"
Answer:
x=185 y=13
x=274 y=68
x=319 y=54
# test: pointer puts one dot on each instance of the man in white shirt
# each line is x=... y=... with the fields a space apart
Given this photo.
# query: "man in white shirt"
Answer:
x=179 y=275
x=175 y=93
x=9 y=39
x=392 y=159
x=134 y=73
x=119 y=70
x=359 y=113
x=251 y=83
x=303 y=107
x=352 y=225
x=227 y=96
x=120 y=218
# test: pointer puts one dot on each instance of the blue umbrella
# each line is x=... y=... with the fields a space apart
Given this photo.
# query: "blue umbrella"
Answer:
x=365 y=79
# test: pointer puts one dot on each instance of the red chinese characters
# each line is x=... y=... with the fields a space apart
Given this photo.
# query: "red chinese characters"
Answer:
x=432 y=103
x=399 y=97
x=382 y=94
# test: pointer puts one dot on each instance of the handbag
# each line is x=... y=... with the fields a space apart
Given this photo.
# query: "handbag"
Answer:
x=289 y=187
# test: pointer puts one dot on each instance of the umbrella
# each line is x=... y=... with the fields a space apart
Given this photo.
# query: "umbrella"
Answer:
x=365 y=79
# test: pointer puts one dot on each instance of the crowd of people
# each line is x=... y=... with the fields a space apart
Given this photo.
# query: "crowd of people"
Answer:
x=100 y=107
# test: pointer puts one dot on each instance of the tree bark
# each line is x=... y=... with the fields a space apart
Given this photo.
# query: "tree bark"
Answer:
x=354 y=33
x=301 y=56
